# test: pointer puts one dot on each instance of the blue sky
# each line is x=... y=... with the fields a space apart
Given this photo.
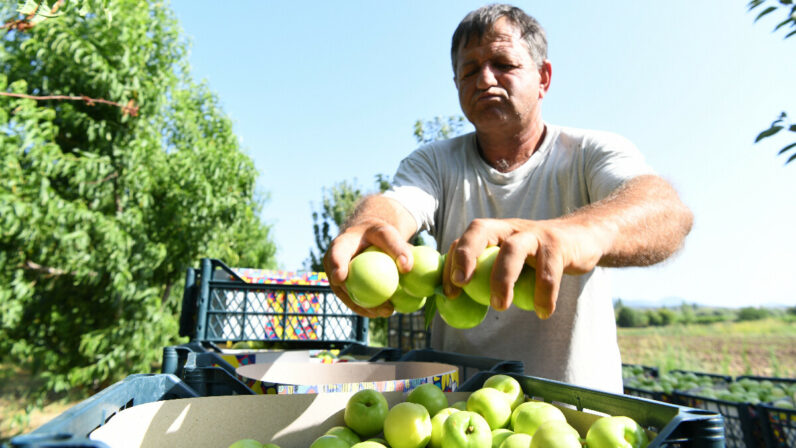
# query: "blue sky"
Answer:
x=324 y=92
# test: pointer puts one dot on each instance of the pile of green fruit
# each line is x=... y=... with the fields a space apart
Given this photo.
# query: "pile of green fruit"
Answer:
x=638 y=377
x=747 y=390
x=373 y=279
x=495 y=416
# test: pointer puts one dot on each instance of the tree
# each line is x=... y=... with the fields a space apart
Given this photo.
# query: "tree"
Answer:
x=339 y=201
x=788 y=8
x=119 y=172
x=630 y=318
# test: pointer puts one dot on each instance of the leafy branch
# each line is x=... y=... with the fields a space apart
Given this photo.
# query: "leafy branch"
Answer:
x=789 y=9
x=127 y=109
x=787 y=6
x=776 y=126
x=34 y=12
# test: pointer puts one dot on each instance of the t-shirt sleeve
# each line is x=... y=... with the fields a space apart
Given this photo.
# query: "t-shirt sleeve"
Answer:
x=612 y=160
x=416 y=186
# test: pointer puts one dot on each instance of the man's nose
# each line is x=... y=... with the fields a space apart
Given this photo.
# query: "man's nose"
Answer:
x=486 y=77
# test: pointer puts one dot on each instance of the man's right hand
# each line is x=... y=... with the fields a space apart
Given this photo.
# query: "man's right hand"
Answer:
x=352 y=241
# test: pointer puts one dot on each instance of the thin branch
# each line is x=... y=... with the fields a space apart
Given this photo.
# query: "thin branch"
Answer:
x=27 y=23
x=49 y=271
x=107 y=178
x=130 y=108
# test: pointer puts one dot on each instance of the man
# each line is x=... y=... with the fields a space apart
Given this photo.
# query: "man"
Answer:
x=565 y=201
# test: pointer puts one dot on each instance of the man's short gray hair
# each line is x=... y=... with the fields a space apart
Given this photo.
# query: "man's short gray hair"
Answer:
x=480 y=21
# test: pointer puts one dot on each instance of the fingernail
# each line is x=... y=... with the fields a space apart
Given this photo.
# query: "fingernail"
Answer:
x=542 y=314
x=497 y=303
x=402 y=261
x=458 y=277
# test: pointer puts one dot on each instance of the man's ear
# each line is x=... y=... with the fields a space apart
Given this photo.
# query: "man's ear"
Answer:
x=545 y=76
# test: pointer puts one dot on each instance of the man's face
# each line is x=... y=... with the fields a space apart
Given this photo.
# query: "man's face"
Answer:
x=499 y=83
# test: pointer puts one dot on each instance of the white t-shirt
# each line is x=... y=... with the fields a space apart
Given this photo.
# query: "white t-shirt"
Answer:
x=446 y=184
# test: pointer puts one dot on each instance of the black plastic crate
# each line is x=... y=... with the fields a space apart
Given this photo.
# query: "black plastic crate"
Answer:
x=211 y=375
x=776 y=424
x=675 y=425
x=220 y=306
x=73 y=426
x=640 y=380
x=408 y=331
x=740 y=418
x=468 y=364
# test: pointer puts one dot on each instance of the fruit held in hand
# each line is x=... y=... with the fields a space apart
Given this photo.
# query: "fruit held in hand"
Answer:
x=616 y=432
x=523 y=289
x=478 y=287
x=492 y=405
x=426 y=273
x=461 y=312
x=372 y=278
x=528 y=416
x=407 y=425
x=430 y=396
x=509 y=386
x=365 y=412
x=466 y=429
x=405 y=303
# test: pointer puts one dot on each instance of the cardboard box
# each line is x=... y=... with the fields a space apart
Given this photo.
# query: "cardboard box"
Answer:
x=290 y=421
x=311 y=378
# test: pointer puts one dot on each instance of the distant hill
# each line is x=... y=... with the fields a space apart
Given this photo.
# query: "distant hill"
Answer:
x=674 y=302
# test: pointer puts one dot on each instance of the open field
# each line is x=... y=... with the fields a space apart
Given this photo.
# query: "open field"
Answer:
x=764 y=347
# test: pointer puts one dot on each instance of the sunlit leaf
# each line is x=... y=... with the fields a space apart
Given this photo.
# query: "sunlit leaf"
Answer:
x=768 y=133
x=766 y=11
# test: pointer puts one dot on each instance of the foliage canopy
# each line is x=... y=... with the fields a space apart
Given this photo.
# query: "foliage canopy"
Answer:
x=101 y=209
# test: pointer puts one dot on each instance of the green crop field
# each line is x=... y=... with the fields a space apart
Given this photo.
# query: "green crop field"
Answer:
x=764 y=347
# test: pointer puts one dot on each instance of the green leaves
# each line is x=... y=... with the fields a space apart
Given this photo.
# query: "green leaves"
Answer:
x=101 y=212
x=788 y=8
x=776 y=126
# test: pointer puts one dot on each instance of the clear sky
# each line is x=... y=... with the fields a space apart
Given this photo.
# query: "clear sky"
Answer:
x=328 y=91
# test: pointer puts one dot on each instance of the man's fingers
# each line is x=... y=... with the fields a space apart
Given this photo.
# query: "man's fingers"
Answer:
x=448 y=287
x=480 y=234
x=387 y=238
x=549 y=270
x=507 y=268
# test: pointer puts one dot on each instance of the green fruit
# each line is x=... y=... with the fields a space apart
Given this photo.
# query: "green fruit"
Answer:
x=492 y=405
x=406 y=303
x=556 y=434
x=461 y=312
x=430 y=396
x=408 y=425
x=499 y=435
x=616 y=432
x=426 y=273
x=365 y=412
x=372 y=278
x=246 y=443
x=466 y=429
x=478 y=288
x=328 y=441
x=344 y=433
x=529 y=416
x=523 y=289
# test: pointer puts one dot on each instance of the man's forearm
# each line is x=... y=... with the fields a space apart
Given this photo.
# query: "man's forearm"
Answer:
x=642 y=223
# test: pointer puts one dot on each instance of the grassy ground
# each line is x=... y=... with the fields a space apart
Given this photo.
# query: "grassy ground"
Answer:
x=765 y=348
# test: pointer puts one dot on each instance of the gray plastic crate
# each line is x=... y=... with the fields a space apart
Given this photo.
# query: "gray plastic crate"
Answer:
x=219 y=306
